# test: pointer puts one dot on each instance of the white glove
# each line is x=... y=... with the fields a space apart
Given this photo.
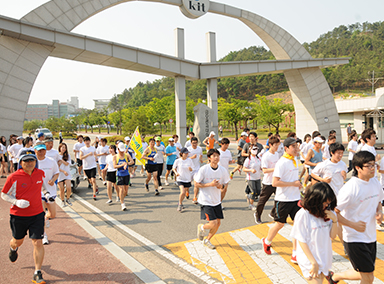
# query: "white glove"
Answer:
x=21 y=203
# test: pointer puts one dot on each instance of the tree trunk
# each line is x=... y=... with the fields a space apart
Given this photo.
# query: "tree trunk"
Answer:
x=108 y=128
x=99 y=129
x=86 y=129
x=236 y=135
x=91 y=128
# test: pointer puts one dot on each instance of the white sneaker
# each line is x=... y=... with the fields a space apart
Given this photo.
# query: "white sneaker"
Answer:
x=104 y=182
x=161 y=188
x=166 y=183
x=123 y=208
x=117 y=199
x=84 y=178
x=47 y=224
x=380 y=227
x=45 y=239
x=109 y=201
x=63 y=203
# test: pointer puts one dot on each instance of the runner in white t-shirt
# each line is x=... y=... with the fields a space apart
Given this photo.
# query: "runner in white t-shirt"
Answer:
x=286 y=181
x=326 y=152
x=65 y=176
x=268 y=163
x=177 y=144
x=212 y=180
x=14 y=150
x=76 y=149
x=225 y=154
x=182 y=168
x=110 y=171
x=315 y=225
x=88 y=156
x=51 y=170
x=352 y=148
x=359 y=204
x=188 y=142
x=303 y=154
x=102 y=152
x=196 y=155
x=252 y=168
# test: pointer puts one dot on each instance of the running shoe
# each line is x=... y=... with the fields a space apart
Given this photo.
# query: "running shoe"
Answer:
x=293 y=259
x=100 y=178
x=45 y=239
x=267 y=248
x=257 y=219
x=239 y=172
x=161 y=188
x=47 y=224
x=84 y=178
x=130 y=184
x=63 y=203
x=89 y=185
x=109 y=201
x=146 y=187
x=329 y=278
x=222 y=207
x=187 y=194
x=157 y=192
x=194 y=201
x=270 y=216
x=94 y=197
x=38 y=278
x=231 y=175
x=97 y=190
x=68 y=202
x=13 y=254
x=200 y=232
x=208 y=244
x=104 y=182
x=179 y=207
x=117 y=199
x=123 y=208
x=166 y=183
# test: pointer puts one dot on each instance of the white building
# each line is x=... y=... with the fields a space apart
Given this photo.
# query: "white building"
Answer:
x=362 y=113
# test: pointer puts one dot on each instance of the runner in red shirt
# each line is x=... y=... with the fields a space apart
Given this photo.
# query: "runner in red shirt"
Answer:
x=23 y=190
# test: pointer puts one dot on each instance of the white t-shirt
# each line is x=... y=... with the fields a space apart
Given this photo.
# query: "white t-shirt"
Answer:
x=333 y=170
x=307 y=148
x=182 y=167
x=2 y=149
x=382 y=168
x=211 y=196
x=225 y=158
x=90 y=161
x=50 y=168
x=178 y=146
x=315 y=232
x=353 y=146
x=280 y=150
x=302 y=147
x=195 y=161
x=286 y=171
x=269 y=161
x=159 y=157
x=326 y=153
x=22 y=149
x=368 y=148
x=358 y=201
x=109 y=162
x=252 y=163
x=62 y=176
x=187 y=144
x=77 y=147
x=359 y=146
x=102 y=150
x=54 y=154
x=14 y=150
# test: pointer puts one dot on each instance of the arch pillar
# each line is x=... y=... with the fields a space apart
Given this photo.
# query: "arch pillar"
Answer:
x=20 y=63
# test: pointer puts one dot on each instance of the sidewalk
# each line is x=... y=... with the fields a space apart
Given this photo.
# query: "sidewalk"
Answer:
x=72 y=256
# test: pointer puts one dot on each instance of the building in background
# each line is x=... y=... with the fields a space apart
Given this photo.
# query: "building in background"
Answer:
x=56 y=109
x=101 y=104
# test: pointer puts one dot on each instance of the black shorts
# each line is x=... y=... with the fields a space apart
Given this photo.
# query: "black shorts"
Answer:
x=5 y=159
x=34 y=224
x=150 y=168
x=133 y=165
x=362 y=256
x=254 y=187
x=15 y=166
x=91 y=173
x=124 y=180
x=285 y=208
x=185 y=184
x=79 y=162
x=111 y=176
x=240 y=160
x=211 y=213
x=169 y=167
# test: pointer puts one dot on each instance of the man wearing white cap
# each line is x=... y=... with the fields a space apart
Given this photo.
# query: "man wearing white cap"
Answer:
x=210 y=141
x=240 y=158
x=14 y=150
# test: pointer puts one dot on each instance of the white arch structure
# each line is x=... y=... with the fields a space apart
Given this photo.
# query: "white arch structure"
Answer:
x=46 y=31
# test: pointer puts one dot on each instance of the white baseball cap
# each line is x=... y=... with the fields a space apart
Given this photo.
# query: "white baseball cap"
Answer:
x=127 y=138
x=212 y=133
x=121 y=147
x=244 y=134
x=318 y=139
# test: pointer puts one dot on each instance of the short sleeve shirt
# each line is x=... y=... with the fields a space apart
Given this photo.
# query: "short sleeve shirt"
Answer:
x=287 y=172
x=182 y=168
x=333 y=170
x=225 y=158
x=28 y=187
x=269 y=161
x=90 y=161
x=172 y=158
x=50 y=168
x=77 y=147
x=196 y=161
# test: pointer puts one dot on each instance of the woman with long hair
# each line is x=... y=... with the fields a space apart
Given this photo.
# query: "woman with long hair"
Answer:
x=65 y=175
x=314 y=227
x=3 y=157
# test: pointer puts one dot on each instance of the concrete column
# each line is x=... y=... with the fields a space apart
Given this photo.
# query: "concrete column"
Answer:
x=180 y=101
x=212 y=83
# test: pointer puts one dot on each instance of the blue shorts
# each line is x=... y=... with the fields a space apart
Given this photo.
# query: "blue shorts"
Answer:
x=102 y=166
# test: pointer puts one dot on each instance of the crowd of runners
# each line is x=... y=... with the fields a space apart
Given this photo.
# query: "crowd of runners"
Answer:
x=318 y=198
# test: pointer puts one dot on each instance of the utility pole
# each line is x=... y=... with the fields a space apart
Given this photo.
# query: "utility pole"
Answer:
x=373 y=80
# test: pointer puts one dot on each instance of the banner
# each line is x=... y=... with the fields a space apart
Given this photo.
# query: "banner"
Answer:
x=137 y=146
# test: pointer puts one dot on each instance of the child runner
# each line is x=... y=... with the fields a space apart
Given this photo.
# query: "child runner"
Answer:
x=252 y=166
x=212 y=180
x=111 y=174
x=315 y=226
x=286 y=181
x=359 y=208
x=183 y=168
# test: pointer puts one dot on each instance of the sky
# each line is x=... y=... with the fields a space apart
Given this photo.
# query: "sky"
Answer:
x=151 y=26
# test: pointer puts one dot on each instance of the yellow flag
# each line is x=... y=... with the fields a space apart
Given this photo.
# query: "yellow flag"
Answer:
x=137 y=146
